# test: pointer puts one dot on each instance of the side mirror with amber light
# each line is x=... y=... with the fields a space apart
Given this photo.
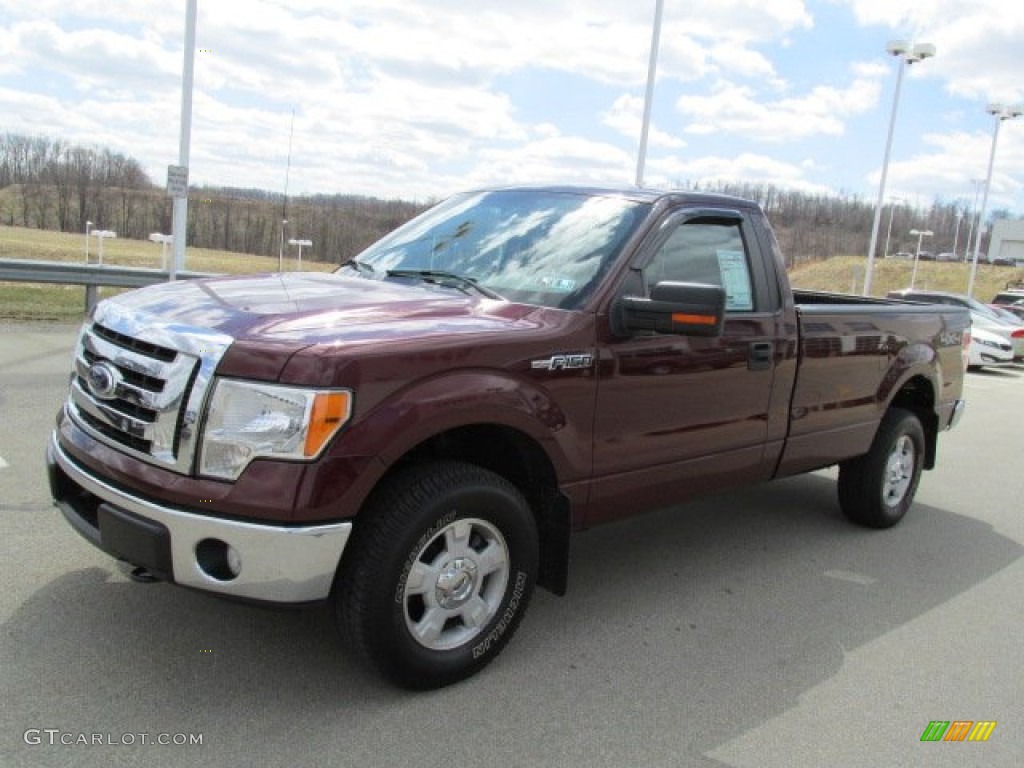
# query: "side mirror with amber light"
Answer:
x=684 y=309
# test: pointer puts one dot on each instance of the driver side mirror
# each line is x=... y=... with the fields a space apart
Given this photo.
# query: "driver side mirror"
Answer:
x=684 y=309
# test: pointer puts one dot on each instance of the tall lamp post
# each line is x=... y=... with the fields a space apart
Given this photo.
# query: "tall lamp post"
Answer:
x=101 y=235
x=280 y=250
x=652 y=66
x=907 y=55
x=888 y=231
x=921 y=233
x=300 y=243
x=974 y=212
x=956 y=234
x=88 y=225
x=1000 y=113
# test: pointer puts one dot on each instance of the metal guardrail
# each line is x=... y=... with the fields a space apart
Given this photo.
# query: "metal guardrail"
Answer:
x=90 y=275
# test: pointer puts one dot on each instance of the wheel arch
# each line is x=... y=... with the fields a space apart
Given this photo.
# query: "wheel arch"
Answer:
x=917 y=395
x=519 y=458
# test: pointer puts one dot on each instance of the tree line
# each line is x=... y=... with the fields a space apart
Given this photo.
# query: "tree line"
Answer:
x=52 y=184
x=49 y=183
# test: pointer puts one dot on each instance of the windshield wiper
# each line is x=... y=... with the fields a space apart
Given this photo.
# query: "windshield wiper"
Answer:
x=449 y=279
x=360 y=267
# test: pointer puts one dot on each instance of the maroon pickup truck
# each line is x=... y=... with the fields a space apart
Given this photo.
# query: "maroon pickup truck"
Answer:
x=415 y=437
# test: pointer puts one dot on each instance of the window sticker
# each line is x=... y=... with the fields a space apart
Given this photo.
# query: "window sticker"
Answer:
x=736 y=280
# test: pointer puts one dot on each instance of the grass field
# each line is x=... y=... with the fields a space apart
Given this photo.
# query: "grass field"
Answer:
x=28 y=301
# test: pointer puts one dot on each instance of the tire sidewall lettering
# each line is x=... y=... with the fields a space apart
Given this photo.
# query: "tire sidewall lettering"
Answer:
x=495 y=634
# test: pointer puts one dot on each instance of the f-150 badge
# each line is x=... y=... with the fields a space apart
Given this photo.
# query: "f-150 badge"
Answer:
x=563 y=362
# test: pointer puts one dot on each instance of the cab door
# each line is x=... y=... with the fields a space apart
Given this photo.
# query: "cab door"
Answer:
x=677 y=415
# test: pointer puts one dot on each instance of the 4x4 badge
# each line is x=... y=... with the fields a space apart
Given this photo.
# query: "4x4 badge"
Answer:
x=563 y=362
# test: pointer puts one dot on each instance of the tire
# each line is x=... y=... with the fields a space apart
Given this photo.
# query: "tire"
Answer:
x=438 y=575
x=877 y=489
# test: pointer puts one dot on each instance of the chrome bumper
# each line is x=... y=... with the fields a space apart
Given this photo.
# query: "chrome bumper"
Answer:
x=957 y=414
x=274 y=563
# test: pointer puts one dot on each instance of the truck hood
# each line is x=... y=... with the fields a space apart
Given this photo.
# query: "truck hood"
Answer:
x=314 y=307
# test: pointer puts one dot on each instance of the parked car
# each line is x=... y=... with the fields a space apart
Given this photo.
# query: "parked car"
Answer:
x=1016 y=308
x=1009 y=313
x=946 y=256
x=1012 y=294
x=902 y=256
x=987 y=349
x=982 y=316
x=926 y=256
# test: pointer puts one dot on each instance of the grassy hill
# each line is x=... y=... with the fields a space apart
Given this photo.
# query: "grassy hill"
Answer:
x=846 y=274
x=27 y=301
x=31 y=301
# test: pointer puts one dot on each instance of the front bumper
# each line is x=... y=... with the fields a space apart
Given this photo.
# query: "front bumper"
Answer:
x=957 y=413
x=269 y=563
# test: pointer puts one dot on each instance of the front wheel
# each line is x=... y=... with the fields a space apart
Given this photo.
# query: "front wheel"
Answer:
x=877 y=489
x=442 y=566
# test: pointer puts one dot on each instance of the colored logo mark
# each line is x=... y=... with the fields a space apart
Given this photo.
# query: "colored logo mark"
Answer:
x=958 y=730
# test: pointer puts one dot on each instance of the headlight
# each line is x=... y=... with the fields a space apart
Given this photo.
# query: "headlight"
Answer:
x=986 y=343
x=247 y=420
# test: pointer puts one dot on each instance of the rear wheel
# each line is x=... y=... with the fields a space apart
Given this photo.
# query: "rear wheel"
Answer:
x=877 y=489
x=441 y=567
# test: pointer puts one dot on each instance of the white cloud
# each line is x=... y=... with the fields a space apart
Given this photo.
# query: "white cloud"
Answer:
x=626 y=115
x=403 y=98
x=956 y=158
x=746 y=166
x=737 y=109
x=979 y=51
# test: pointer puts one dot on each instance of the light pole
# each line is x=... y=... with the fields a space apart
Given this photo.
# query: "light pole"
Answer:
x=101 y=235
x=88 y=224
x=956 y=234
x=652 y=67
x=974 y=211
x=1000 y=113
x=280 y=250
x=300 y=243
x=179 y=222
x=907 y=54
x=888 y=232
x=921 y=233
x=163 y=240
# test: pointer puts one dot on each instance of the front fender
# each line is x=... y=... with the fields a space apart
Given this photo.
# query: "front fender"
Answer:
x=454 y=399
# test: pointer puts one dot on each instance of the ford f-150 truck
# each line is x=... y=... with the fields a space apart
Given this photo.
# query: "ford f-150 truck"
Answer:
x=415 y=436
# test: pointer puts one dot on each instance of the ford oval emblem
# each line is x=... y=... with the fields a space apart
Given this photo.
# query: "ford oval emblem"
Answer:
x=103 y=379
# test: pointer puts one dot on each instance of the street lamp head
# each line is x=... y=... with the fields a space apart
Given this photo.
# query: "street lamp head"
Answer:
x=921 y=52
x=1005 y=111
x=897 y=47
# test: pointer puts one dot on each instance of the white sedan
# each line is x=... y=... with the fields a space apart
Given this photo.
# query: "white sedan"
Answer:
x=987 y=349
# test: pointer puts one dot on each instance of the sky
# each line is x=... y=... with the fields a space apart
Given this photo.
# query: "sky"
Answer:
x=418 y=100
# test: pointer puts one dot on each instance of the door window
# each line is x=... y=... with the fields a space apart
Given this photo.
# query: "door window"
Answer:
x=710 y=253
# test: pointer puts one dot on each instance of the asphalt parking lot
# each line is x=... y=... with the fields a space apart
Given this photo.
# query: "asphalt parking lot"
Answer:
x=754 y=628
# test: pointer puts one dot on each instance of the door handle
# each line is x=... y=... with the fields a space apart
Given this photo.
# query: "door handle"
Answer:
x=760 y=356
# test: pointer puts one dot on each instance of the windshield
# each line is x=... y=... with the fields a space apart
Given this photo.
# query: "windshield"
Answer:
x=533 y=246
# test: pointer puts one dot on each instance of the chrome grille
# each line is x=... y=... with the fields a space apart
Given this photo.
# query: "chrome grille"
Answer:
x=157 y=376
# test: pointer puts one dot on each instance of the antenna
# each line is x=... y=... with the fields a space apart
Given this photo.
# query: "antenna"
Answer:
x=288 y=167
x=284 y=202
